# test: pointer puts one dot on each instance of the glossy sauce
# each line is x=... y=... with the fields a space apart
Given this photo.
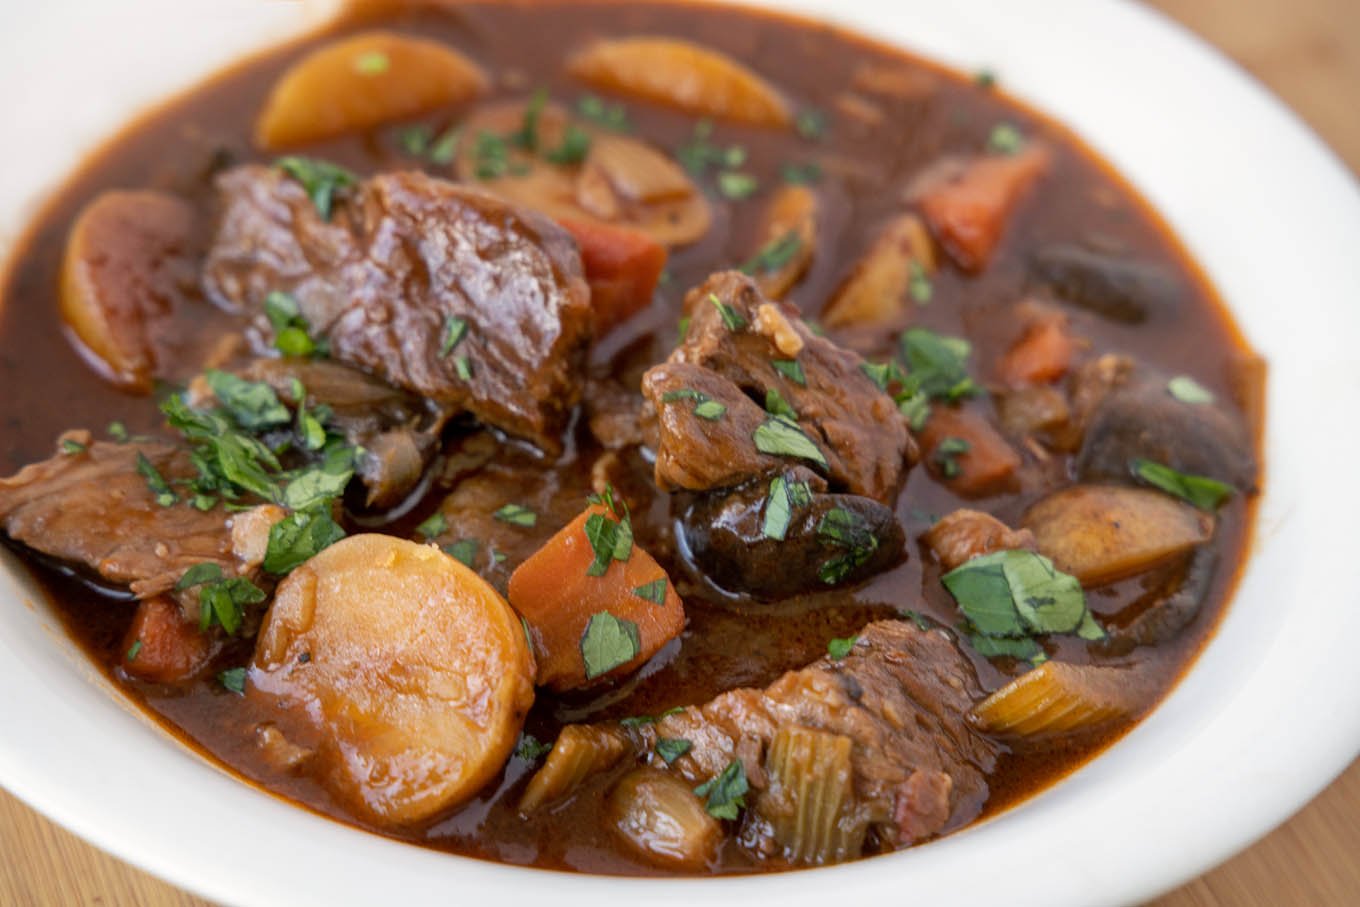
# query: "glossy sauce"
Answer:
x=727 y=643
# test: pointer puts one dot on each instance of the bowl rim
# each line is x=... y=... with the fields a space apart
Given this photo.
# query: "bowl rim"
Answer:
x=1204 y=756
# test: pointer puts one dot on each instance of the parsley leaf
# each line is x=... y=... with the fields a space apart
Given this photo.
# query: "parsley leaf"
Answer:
x=1021 y=649
x=321 y=180
x=117 y=431
x=779 y=437
x=607 y=643
x=165 y=496
x=776 y=405
x=946 y=456
x=526 y=136
x=1005 y=139
x=1014 y=594
x=373 y=63
x=516 y=515
x=253 y=405
x=610 y=116
x=530 y=749
x=220 y=600
x=804 y=173
x=299 y=537
x=1188 y=390
x=319 y=483
x=705 y=407
x=610 y=539
x=1201 y=491
x=737 y=185
x=850 y=532
x=654 y=592
x=840 y=647
x=725 y=794
x=134 y=650
x=234 y=680
x=936 y=365
x=672 y=748
x=699 y=153
x=791 y=369
x=69 y=446
x=445 y=148
x=574 y=148
x=810 y=123
x=455 y=329
x=292 y=335
x=918 y=283
x=731 y=318
x=785 y=496
x=435 y=524
x=464 y=551
x=774 y=254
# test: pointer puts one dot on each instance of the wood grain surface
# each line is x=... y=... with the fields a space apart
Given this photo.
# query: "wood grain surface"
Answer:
x=1308 y=52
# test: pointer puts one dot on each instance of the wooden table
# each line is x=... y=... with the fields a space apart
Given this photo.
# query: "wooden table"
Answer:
x=1308 y=51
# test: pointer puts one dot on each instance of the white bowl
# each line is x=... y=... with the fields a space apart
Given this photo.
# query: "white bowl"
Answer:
x=1268 y=716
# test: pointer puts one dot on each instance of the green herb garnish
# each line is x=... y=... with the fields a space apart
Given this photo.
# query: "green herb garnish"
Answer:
x=791 y=369
x=1005 y=139
x=165 y=496
x=654 y=592
x=71 y=447
x=776 y=405
x=918 y=283
x=234 y=680
x=840 y=647
x=775 y=254
x=299 y=537
x=810 y=124
x=373 y=63
x=779 y=437
x=221 y=599
x=725 y=794
x=705 y=407
x=321 y=180
x=1201 y=491
x=785 y=496
x=731 y=318
x=530 y=749
x=737 y=185
x=516 y=515
x=1016 y=594
x=607 y=643
x=574 y=148
x=455 y=329
x=849 y=532
x=946 y=456
x=464 y=551
x=610 y=116
x=433 y=526
x=672 y=748
x=806 y=173
x=1188 y=390
x=292 y=332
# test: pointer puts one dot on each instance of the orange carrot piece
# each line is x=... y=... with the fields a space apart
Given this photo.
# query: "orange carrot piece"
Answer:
x=1042 y=354
x=968 y=213
x=983 y=464
x=557 y=597
x=162 y=646
x=622 y=267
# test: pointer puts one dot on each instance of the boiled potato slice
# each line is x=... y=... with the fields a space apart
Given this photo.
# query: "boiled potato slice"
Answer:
x=875 y=293
x=1101 y=533
x=121 y=274
x=362 y=81
x=788 y=234
x=680 y=74
x=412 y=671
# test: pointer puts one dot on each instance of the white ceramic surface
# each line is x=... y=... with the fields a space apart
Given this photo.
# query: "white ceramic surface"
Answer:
x=1269 y=715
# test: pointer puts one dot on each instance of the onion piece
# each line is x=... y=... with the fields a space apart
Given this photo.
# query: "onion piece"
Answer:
x=581 y=750
x=659 y=818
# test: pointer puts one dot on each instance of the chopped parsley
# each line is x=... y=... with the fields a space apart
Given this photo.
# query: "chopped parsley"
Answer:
x=937 y=365
x=791 y=369
x=526 y=136
x=1201 y=491
x=608 y=643
x=1021 y=649
x=731 y=318
x=165 y=496
x=610 y=116
x=455 y=329
x=574 y=148
x=516 y=515
x=776 y=405
x=221 y=599
x=840 y=647
x=117 y=431
x=699 y=153
x=463 y=368
x=849 y=532
x=1188 y=390
x=72 y=447
x=321 y=180
x=946 y=456
x=253 y=405
x=737 y=185
x=654 y=592
x=611 y=538
x=299 y=537
x=804 y=173
x=464 y=551
x=233 y=680
x=292 y=332
x=918 y=283
x=984 y=78
x=490 y=156
x=134 y=650
x=433 y=526
x=445 y=148
x=785 y=496
x=775 y=254
x=705 y=407
x=725 y=793
x=530 y=749
x=1005 y=139
x=779 y=437
x=1017 y=594
x=373 y=63
x=415 y=140
x=810 y=123
x=636 y=721
x=672 y=748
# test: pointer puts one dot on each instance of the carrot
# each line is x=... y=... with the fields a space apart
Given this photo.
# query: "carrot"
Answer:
x=967 y=453
x=968 y=213
x=162 y=646
x=587 y=626
x=1042 y=354
x=622 y=267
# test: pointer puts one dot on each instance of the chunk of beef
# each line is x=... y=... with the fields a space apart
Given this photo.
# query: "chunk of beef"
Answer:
x=404 y=260
x=92 y=508
x=901 y=695
x=774 y=539
x=612 y=413
x=958 y=537
x=398 y=432
x=1140 y=419
x=1112 y=286
x=734 y=351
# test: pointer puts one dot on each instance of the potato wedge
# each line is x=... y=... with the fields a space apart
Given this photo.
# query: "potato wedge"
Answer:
x=359 y=82
x=683 y=75
x=412 y=671
x=875 y=293
x=788 y=235
x=125 y=261
x=1101 y=533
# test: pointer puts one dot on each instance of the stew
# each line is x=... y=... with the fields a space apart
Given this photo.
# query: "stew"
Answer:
x=638 y=439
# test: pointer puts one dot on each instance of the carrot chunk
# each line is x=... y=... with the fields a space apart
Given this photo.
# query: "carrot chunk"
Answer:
x=162 y=646
x=969 y=209
x=622 y=267
x=1042 y=354
x=967 y=453
x=595 y=606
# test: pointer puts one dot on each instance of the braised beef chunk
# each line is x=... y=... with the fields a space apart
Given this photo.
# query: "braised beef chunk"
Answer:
x=437 y=289
x=92 y=506
x=1139 y=418
x=1110 y=285
x=740 y=345
x=774 y=539
x=398 y=432
x=901 y=695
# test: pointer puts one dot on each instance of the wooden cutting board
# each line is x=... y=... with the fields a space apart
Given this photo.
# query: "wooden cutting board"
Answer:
x=1307 y=51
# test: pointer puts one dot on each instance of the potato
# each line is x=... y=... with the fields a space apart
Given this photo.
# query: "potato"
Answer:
x=1101 y=533
x=682 y=75
x=359 y=82
x=413 y=672
x=125 y=259
x=788 y=234
x=875 y=293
